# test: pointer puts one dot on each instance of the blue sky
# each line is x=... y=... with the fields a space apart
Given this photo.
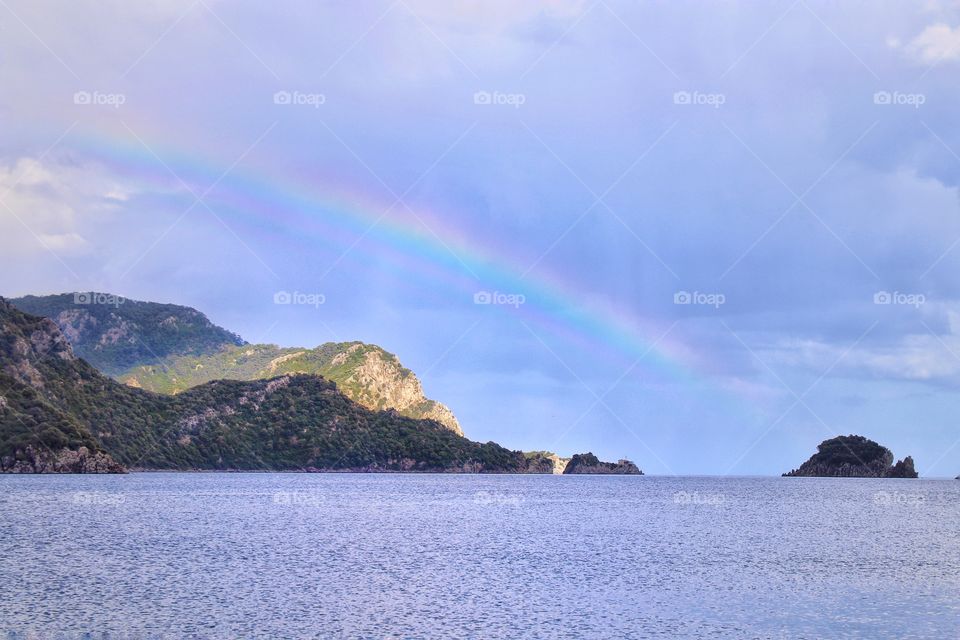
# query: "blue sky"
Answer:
x=792 y=166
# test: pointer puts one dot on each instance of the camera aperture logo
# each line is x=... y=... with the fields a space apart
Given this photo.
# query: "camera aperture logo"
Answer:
x=299 y=98
x=695 y=497
x=898 y=98
x=892 y=498
x=697 y=98
x=98 y=498
x=92 y=297
x=299 y=298
x=914 y=300
x=498 y=98
x=298 y=498
x=496 y=498
x=699 y=298
x=99 y=99
x=498 y=298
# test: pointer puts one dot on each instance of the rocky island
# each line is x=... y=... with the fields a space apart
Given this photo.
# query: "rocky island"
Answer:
x=587 y=463
x=854 y=457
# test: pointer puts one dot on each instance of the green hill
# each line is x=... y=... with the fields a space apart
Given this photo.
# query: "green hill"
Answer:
x=168 y=348
x=58 y=413
x=114 y=334
x=366 y=373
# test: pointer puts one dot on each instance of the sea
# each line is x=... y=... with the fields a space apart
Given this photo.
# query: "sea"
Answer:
x=264 y=555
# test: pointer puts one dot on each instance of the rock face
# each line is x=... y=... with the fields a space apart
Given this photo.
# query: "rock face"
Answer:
x=36 y=460
x=545 y=462
x=903 y=469
x=854 y=457
x=378 y=381
x=559 y=464
x=587 y=463
x=21 y=348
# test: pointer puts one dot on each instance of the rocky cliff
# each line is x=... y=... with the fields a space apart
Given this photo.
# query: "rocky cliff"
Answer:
x=545 y=462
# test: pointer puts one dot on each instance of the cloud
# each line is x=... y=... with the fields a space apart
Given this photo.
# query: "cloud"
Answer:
x=48 y=205
x=936 y=43
x=916 y=357
x=63 y=241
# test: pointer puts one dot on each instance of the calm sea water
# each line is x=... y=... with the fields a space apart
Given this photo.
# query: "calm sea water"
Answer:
x=291 y=556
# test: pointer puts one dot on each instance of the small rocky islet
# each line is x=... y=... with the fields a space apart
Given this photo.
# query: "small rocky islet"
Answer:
x=854 y=456
x=578 y=464
x=587 y=463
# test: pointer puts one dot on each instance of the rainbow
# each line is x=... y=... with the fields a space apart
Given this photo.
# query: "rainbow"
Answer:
x=321 y=212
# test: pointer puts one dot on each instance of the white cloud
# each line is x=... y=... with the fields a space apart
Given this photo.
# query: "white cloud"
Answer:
x=63 y=241
x=48 y=205
x=937 y=42
x=28 y=172
x=920 y=357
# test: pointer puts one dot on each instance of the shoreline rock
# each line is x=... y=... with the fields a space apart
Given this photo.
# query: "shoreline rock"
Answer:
x=82 y=461
x=546 y=462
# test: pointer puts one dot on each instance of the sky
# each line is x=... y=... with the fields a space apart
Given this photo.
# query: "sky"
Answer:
x=702 y=236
